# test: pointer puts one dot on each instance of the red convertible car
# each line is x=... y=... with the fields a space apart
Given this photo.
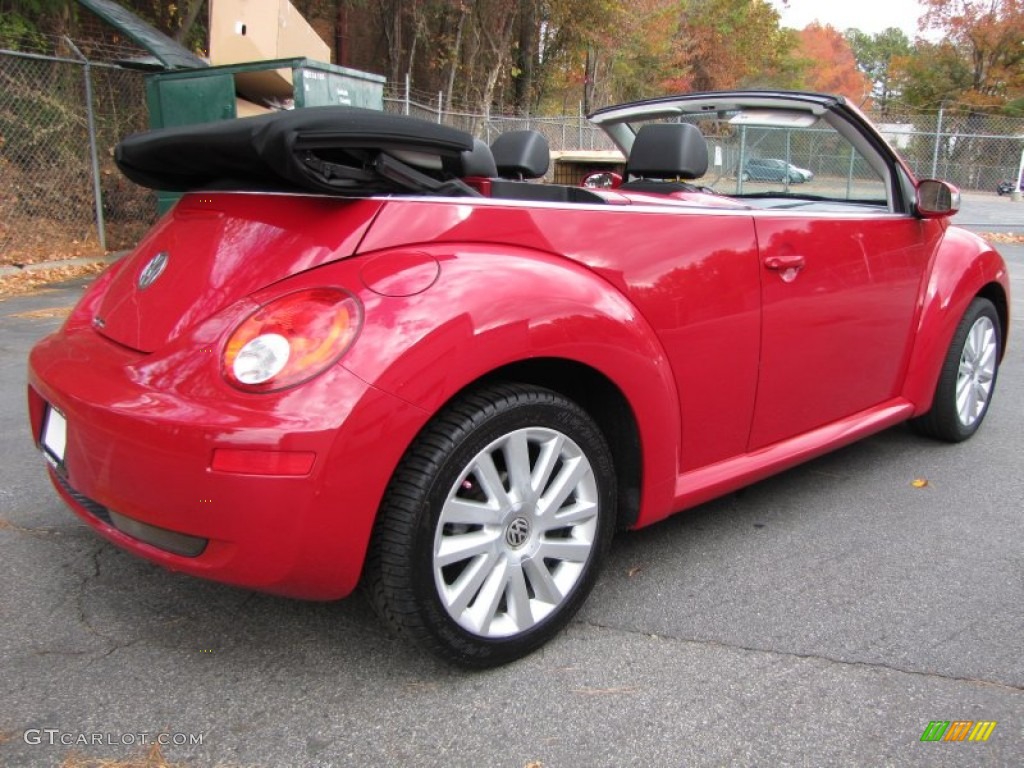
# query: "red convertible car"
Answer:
x=368 y=349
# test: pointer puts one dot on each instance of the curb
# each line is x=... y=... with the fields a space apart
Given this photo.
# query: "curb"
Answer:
x=109 y=258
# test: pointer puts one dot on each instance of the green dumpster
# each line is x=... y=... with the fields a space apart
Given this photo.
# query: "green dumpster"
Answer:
x=188 y=96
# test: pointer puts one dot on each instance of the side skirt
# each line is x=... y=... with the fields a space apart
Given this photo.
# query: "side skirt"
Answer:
x=701 y=485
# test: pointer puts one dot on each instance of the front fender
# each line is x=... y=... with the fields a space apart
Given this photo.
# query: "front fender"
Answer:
x=491 y=306
x=964 y=266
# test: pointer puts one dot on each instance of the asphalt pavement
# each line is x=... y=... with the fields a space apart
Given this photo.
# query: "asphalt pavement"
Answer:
x=823 y=617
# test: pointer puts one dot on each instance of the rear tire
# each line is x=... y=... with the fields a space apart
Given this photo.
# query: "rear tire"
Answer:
x=968 y=377
x=494 y=525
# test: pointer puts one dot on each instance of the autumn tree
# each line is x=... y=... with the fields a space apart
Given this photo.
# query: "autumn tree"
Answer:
x=530 y=55
x=637 y=56
x=979 y=63
x=932 y=75
x=875 y=56
x=975 y=70
x=732 y=43
x=496 y=21
x=526 y=54
x=582 y=50
x=649 y=47
x=832 y=67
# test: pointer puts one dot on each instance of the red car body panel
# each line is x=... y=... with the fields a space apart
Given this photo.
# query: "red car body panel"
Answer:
x=963 y=267
x=218 y=240
x=693 y=325
x=148 y=456
x=848 y=314
x=704 y=313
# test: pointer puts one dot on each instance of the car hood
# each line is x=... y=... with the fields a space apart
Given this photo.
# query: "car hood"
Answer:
x=213 y=249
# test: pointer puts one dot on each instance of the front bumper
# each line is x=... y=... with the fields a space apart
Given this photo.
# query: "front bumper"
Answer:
x=138 y=463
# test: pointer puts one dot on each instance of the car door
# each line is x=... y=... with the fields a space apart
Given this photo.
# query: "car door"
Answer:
x=839 y=300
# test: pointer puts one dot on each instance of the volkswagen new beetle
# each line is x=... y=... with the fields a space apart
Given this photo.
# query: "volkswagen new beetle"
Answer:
x=365 y=349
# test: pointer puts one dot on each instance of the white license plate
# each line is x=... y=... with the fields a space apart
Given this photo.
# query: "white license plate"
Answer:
x=55 y=435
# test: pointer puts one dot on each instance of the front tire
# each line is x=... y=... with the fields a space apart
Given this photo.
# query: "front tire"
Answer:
x=494 y=526
x=968 y=376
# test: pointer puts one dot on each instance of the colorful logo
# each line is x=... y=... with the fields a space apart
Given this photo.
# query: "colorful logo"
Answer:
x=958 y=730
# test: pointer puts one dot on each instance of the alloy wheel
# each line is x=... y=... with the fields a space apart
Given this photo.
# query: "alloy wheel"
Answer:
x=516 y=532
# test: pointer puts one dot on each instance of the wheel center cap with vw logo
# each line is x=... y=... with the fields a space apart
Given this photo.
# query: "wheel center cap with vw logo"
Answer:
x=517 y=533
x=153 y=270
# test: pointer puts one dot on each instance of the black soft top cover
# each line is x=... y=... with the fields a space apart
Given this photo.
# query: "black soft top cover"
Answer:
x=334 y=150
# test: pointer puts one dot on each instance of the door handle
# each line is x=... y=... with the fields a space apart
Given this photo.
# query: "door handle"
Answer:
x=782 y=263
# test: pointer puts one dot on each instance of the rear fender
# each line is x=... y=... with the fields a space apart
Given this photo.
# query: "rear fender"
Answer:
x=492 y=306
x=964 y=267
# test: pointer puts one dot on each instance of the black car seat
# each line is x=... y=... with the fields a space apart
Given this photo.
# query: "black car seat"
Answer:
x=478 y=161
x=521 y=155
x=663 y=156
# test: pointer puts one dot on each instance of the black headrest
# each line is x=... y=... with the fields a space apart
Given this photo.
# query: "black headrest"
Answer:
x=479 y=161
x=668 y=151
x=521 y=155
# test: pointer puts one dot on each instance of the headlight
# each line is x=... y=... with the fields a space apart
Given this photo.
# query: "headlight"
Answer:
x=291 y=339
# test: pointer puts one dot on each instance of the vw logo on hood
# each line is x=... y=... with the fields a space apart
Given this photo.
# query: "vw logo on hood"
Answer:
x=152 y=270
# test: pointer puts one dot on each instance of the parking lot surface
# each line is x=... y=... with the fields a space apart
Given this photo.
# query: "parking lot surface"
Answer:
x=822 y=617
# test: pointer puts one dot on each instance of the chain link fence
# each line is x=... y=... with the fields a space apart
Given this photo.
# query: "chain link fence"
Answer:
x=60 y=118
x=563 y=132
x=975 y=152
x=61 y=114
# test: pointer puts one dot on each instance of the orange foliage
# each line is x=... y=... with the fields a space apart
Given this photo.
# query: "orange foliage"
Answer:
x=989 y=39
x=832 y=67
x=726 y=44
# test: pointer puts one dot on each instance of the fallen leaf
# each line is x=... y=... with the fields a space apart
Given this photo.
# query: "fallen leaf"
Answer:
x=44 y=314
x=919 y=482
x=1009 y=238
x=33 y=281
x=634 y=571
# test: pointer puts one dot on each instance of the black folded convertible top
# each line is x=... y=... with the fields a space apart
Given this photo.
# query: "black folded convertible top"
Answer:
x=334 y=150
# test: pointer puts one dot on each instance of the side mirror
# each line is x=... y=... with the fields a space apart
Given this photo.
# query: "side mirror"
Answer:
x=936 y=199
x=601 y=180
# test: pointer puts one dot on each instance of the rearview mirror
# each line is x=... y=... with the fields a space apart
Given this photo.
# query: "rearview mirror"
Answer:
x=936 y=199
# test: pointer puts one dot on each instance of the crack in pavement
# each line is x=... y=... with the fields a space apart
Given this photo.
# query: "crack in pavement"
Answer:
x=809 y=656
x=113 y=642
x=83 y=587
